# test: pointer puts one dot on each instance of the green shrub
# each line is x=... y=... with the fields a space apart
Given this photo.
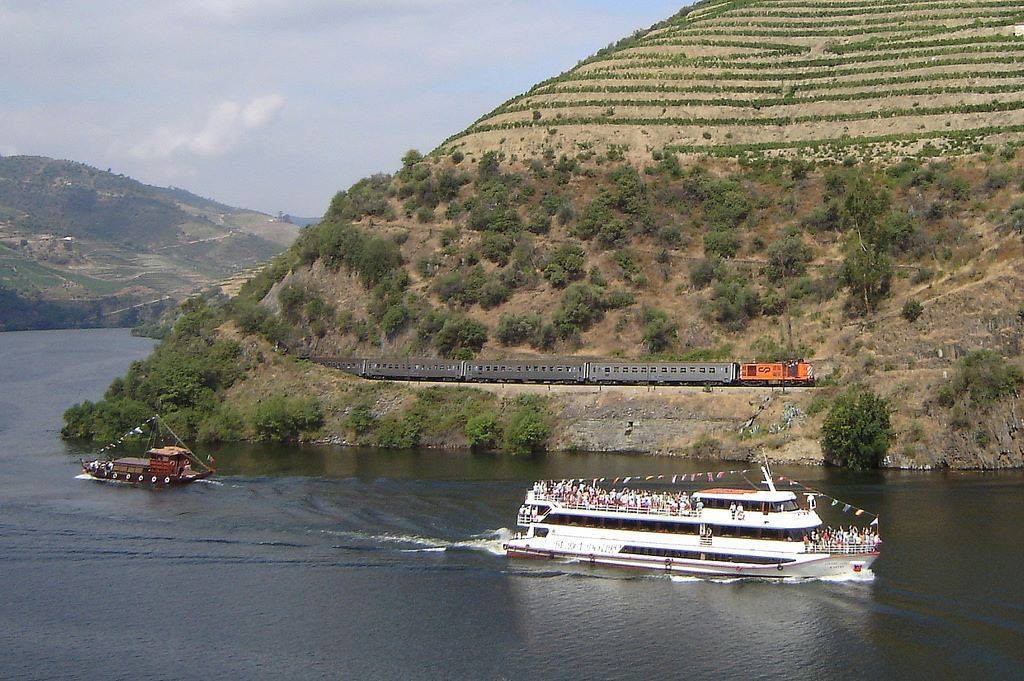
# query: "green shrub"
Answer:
x=517 y=329
x=982 y=378
x=857 y=430
x=658 y=332
x=453 y=335
x=581 y=307
x=707 y=271
x=723 y=243
x=734 y=303
x=564 y=265
x=497 y=247
x=616 y=299
x=224 y=425
x=394 y=432
x=788 y=257
x=279 y=418
x=528 y=427
x=484 y=431
x=912 y=309
x=292 y=298
x=597 y=214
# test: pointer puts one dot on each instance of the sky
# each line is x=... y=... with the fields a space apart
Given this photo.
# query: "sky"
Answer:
x=276 y=105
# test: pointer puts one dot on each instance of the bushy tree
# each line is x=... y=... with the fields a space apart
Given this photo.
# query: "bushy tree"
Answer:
x=528 y=427
x=516 y=329
x=721 y=243
x=788 y=257
x=581 y=307
x=857 y=430
x=659 y=332
x=483 y=431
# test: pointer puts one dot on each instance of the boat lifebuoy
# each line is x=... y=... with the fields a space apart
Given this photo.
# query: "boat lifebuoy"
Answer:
x=668 y=563
x=779 y=566
x=167 y=481
x=140 y=478
x=153 y=480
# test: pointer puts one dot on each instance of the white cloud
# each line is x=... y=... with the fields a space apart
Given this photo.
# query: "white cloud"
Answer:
x=227 y=126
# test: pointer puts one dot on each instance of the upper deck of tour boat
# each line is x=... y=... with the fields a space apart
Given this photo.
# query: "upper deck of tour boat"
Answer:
x=717 y=506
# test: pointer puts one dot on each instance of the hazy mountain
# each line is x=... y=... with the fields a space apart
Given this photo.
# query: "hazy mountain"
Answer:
x=70 y=232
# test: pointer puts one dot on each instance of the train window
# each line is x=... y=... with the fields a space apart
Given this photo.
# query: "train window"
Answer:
x=712 y=369
x=703 y=370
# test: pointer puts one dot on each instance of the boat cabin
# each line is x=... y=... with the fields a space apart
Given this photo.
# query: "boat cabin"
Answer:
x=750 y=500
x=168 y=461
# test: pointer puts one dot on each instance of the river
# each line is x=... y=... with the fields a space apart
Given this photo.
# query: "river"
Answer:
x=331 y=563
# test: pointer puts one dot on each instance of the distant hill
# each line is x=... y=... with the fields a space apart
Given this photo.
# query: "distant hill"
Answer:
x=822 y=78
x=70 y=233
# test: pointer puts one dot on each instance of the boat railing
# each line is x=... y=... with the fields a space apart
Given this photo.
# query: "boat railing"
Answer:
x=617 y=508
x=840 y=549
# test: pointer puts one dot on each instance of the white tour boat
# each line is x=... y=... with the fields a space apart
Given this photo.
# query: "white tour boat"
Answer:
x=711 y=532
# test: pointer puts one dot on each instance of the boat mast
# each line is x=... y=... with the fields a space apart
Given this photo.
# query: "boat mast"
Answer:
x=766 y=469
x=191 y=455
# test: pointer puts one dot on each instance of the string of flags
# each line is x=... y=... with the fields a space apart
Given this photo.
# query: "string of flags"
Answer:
x=682 y=477
x=846 y=508
x=131 y=433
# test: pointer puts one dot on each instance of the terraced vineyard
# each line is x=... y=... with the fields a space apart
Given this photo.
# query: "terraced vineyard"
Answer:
x=866 y=78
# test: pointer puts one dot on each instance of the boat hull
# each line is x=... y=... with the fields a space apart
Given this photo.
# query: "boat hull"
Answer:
x=804 y=566
x=145 y=480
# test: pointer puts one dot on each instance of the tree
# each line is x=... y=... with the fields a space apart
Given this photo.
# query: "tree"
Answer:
x=867 y=272
x=659 y=332
x=787 y=258
x=483 y=431
x=528 y=429
x=867 y=267
x=857 y=430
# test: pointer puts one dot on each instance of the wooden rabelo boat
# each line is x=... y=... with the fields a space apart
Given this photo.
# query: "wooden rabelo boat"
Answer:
x=162 y=466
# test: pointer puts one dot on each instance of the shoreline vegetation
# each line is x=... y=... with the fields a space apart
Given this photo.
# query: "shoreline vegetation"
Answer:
x=691 y=192
x=219 y=373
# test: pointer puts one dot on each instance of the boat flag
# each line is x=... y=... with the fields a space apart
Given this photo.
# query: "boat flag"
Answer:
x=137 y=431
x=711 y=478
x=846 y=508
x=875 y=521
x=860 y=511
x=674 y=479
x=721 y=474
x=835 y=502
x=626 y=481
x=649 y=477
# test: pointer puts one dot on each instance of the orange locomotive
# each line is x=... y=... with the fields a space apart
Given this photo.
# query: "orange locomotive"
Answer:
x=796 y=373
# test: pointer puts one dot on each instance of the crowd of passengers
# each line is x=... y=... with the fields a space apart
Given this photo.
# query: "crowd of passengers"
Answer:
x=842 y=537
x=574 y=493
x=570 y=492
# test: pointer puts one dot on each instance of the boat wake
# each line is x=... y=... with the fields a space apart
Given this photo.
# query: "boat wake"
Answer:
x=486 y=542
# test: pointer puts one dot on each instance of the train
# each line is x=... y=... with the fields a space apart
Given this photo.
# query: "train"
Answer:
x=796 y=373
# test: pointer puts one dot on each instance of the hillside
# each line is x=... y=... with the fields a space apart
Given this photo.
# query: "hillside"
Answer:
x=77 y=244
x=899 y=274
x=816 y=78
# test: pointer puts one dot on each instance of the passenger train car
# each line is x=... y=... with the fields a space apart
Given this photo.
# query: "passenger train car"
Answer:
x=796 y=373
